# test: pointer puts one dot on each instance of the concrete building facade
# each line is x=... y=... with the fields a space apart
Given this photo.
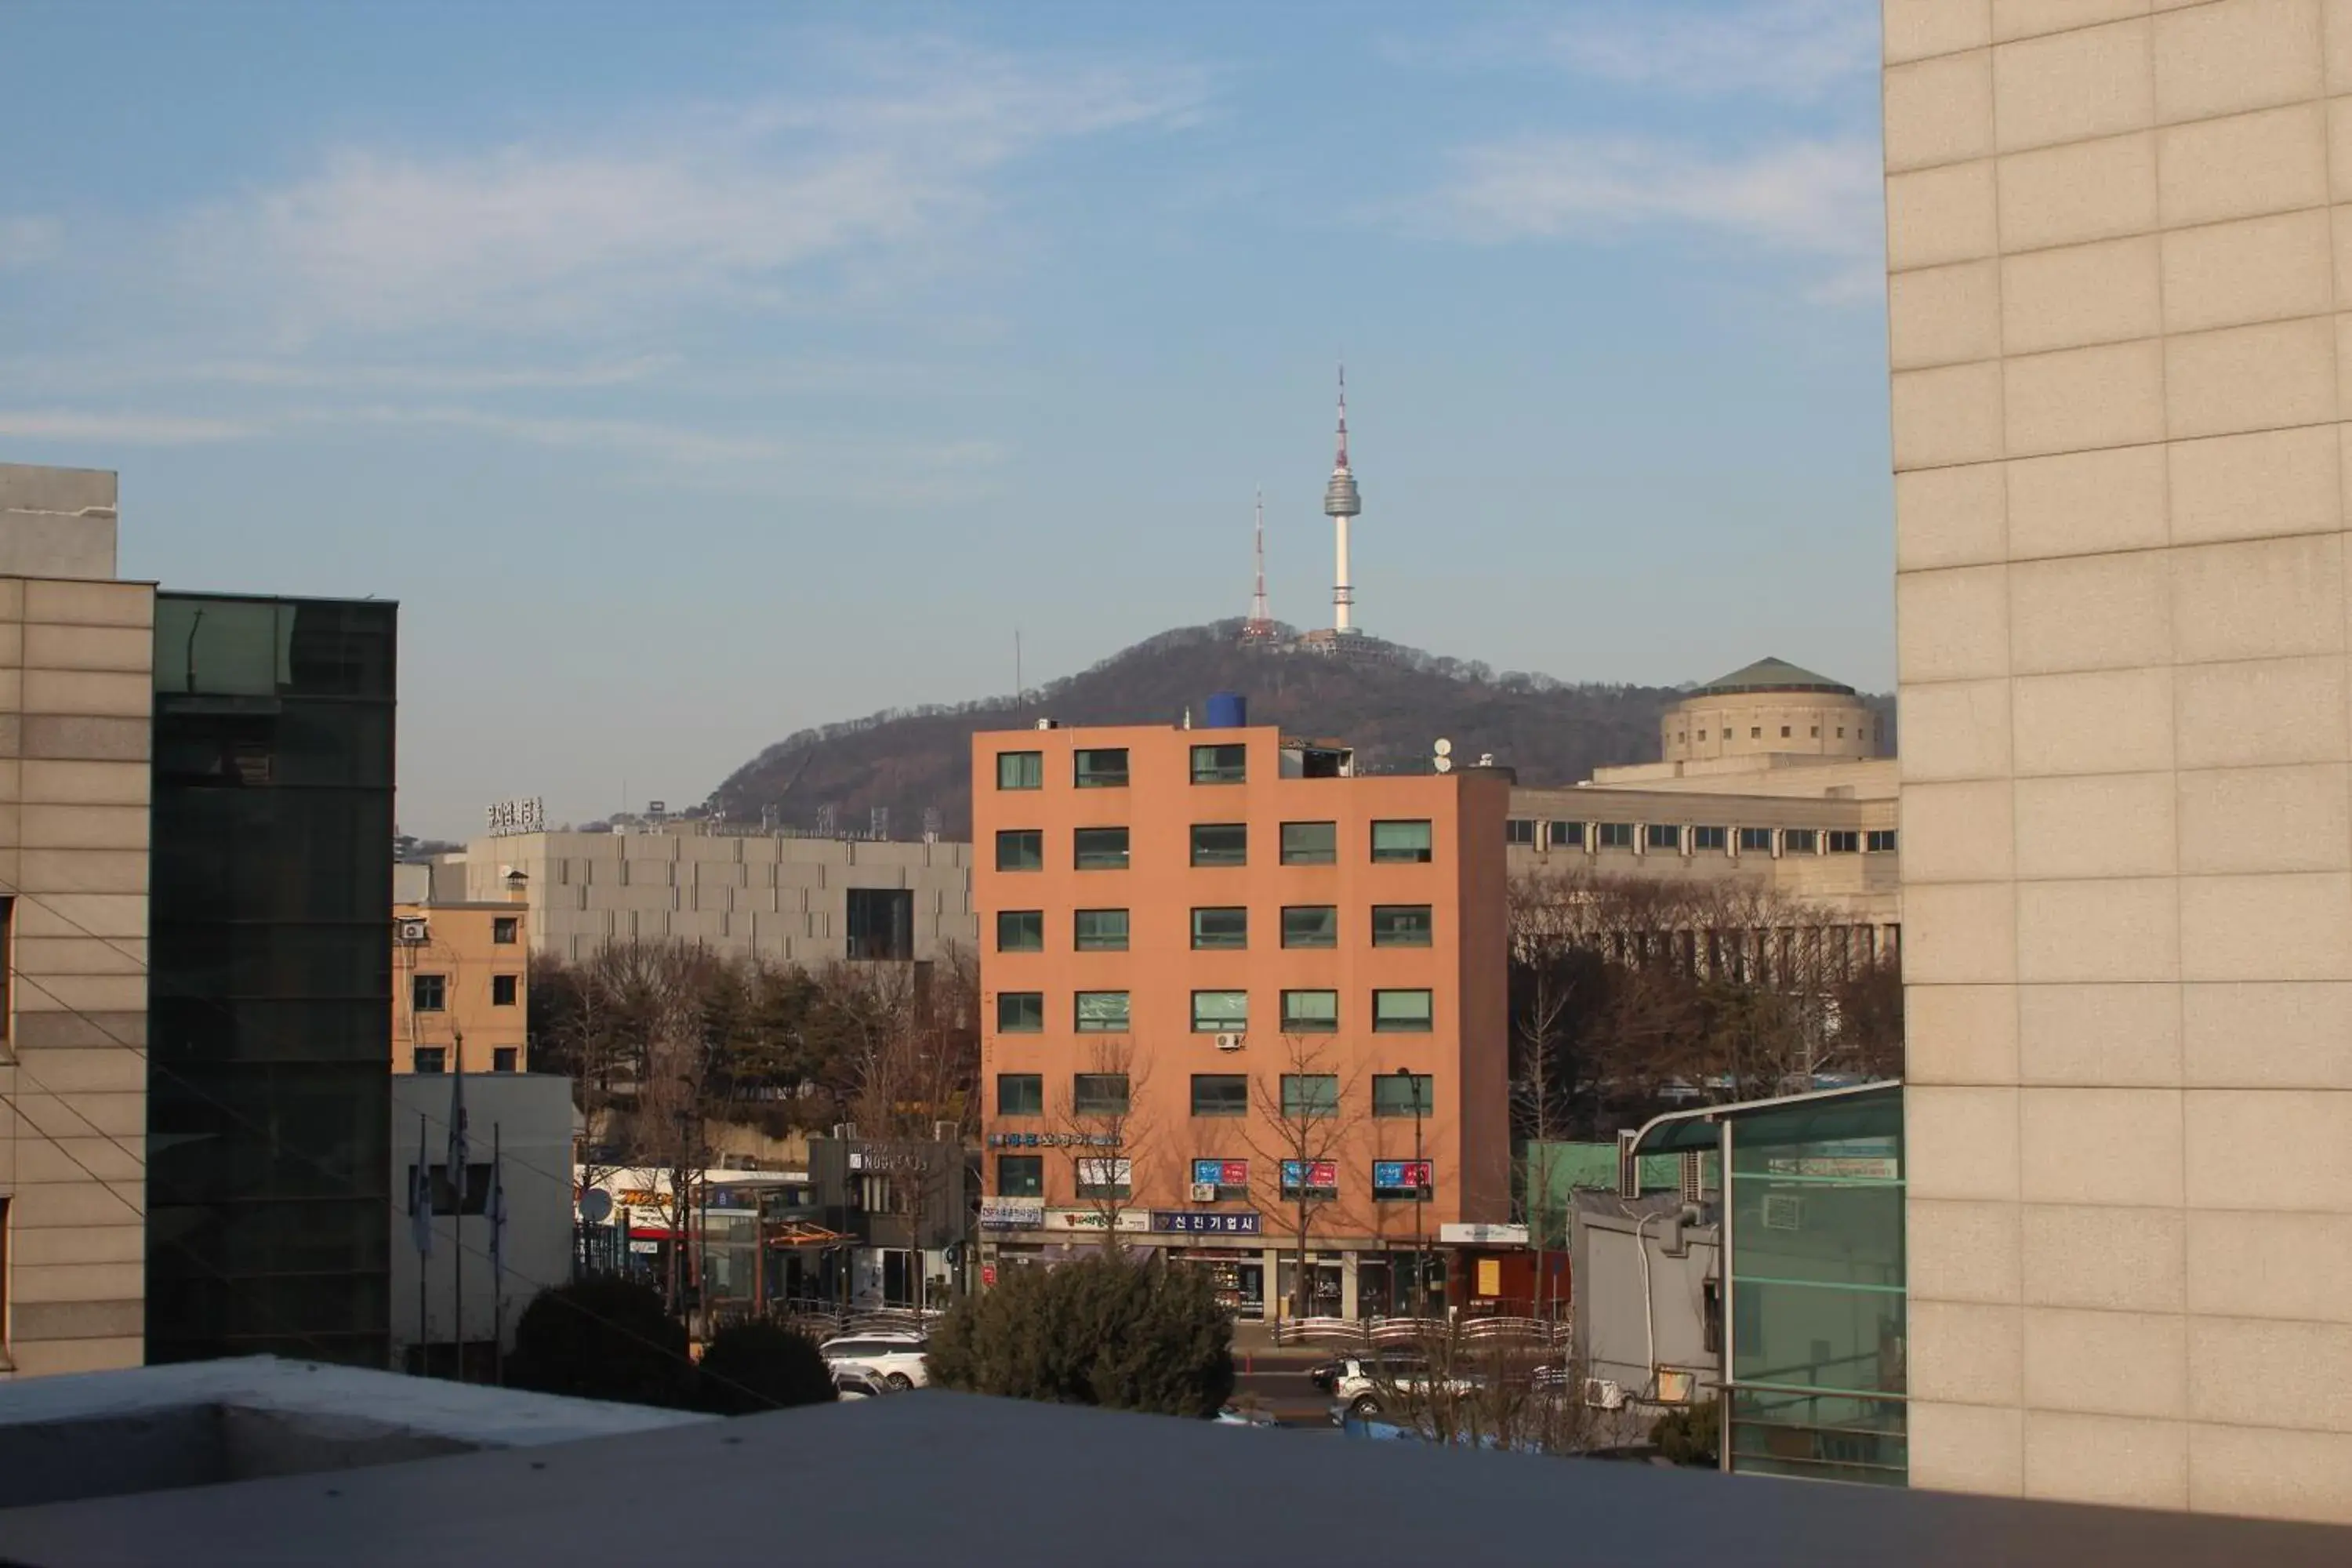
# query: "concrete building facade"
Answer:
x=76 y=651
x=805 y=902
x=460 y=983
x=1207 y=948
x=2119 y=258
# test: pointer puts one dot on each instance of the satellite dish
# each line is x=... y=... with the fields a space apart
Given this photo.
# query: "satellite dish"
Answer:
x=595 y=1205
x=1444 y=748
x=1444 y=765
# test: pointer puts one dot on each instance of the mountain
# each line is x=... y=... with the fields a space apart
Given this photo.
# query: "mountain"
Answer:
x=911 y=760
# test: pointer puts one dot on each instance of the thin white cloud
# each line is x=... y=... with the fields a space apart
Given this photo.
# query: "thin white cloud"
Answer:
x=1812 y=198
x=28 y=241
x=127 y=430
x=1783 y=48
x=703 y=205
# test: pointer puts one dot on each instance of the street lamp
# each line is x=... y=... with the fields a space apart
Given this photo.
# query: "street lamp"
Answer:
x=1412 y=1084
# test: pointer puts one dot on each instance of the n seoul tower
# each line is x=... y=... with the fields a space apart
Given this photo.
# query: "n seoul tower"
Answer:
x=1340 y=502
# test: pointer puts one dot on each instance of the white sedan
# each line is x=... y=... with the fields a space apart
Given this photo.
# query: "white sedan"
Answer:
x=893 y=1359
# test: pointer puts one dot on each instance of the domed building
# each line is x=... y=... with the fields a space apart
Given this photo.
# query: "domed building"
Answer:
x=1769 y=707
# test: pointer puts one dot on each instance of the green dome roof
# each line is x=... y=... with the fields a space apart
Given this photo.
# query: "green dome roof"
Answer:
x=1772 y=675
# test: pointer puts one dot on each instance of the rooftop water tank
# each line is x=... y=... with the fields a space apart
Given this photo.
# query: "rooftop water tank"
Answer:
x=1227 y=711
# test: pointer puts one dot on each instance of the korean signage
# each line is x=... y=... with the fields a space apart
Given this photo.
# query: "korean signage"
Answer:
x=1400 y=1175
x=1204 y=1222
x=1220 y=1173
x=516 y=816
x=1106 y=1173
x=1053 y=1139
x=1012 y=1214
x=1324 y=1174
x=1095 y=1219
x=1483 y=1236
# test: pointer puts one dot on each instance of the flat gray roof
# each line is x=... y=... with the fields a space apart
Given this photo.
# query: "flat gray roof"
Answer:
x=940 y=1477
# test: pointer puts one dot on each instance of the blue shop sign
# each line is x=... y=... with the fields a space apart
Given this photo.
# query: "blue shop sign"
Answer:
x=1206 y=1222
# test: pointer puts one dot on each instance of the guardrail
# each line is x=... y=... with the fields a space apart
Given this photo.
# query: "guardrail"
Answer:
x=1342 y=1334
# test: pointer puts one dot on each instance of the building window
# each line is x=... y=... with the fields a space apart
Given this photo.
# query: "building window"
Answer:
x=1101 y=849
x=1102 y=768
x=1702 y=734
x=1844 y=843
x=1567 y=834
x=1784 y=732
x=429 y=1058
x=505 y=989
x=1020 y=1094
x=1755 y=733
x=1755 y=840
x=1106 y=1178
x=1019 y=1012
x=1099 y=1093
x=1220 y=1094
x=1310 y=1178
x=504 y=1057
x=1657 y=836
x=1220 y=764
x=1229 y=1177
x=1519 y=830
x=1102 y=1013
x=1099 y=931
x=1020 y=931
x=1401 y=925
x=426 y=992
x=505 y=930
x=1682 y=739
x=1220 y=929
x=1402 y=1181
x=1021 y=770
x=1800 y=841
x=1310 y=925
x=1021 y=1175
x=1220 y=844
x=1310 y=1095
x=1394 y=1094
x=1311 y=843
x=1881 y=841
x=1220 y=1012
x=1715 y=838
x=1310 y=1012
x=1021 y=850
x=1614 y=834
x=1400 y=1012
x=1816 y=734
x=1401 y=841
x=881 y=924
x=1841 y=731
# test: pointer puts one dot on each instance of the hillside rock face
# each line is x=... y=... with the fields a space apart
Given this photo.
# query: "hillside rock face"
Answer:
x=1391 y=710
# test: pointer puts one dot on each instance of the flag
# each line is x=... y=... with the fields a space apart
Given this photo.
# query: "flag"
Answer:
x=420 y=1196
x=495 y=1206
x=459 y=1148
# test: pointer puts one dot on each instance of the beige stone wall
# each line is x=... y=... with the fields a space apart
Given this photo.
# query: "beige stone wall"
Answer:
x=1748 y=724
x=2116 y=264
x=76 y=700
x=786 y=900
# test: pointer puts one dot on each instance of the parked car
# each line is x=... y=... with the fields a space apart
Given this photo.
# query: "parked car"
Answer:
x=850 y=1385
x=895 y=1359
x=1325 y=1375
x=1362 y=1382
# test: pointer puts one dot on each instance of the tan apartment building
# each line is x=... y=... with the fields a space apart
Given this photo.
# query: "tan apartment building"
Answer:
x=76 y=718
x=460 y=982
x=1226 y=977
x=2119 y=260
x=799 y=901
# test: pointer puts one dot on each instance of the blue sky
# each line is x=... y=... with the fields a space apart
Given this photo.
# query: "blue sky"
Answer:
x=695 y=373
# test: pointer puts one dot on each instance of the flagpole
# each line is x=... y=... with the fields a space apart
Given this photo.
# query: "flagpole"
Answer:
x=420 y=1230
x=460 y=1154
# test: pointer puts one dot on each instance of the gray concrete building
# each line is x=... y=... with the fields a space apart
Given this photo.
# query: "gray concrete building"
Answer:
x=806 y=901
x=76 y=701
x=2120 y=244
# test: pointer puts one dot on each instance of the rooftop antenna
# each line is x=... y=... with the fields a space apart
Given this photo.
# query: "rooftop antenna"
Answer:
x=1259 y=627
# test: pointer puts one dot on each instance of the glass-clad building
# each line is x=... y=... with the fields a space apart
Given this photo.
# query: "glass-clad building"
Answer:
x=1814 y=1250
x=268 y=1102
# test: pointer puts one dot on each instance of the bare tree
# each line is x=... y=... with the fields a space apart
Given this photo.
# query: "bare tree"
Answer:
x=1104 y=1132
x=1304 y=1122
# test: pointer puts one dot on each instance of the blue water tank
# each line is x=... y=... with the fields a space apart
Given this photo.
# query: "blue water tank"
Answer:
x=1228 y=710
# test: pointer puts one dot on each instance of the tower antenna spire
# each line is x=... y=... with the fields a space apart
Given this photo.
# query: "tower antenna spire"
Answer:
x=1259 y=627
x=1342 y=504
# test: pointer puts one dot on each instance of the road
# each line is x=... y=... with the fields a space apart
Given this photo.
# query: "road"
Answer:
x=1278 y=1384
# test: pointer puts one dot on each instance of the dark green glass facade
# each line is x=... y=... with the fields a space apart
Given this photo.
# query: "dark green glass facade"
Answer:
x=1818 y=1320
x=270 y=1091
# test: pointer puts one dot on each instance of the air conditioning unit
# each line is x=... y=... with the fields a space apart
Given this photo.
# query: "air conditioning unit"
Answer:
x=1784 y=1211
x=1204 y=1192
x=1231 y=1042
x=1604 y=1394
x=412 y=930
